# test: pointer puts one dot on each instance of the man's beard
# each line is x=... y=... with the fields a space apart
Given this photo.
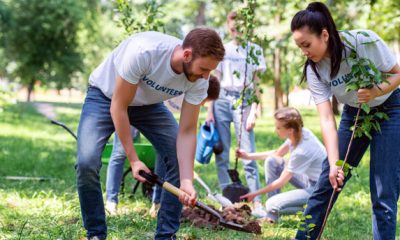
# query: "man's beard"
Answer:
x=188 y=73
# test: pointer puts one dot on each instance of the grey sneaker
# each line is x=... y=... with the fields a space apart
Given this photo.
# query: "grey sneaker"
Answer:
x=154 y=210
x=258 y=210
x=111 y=208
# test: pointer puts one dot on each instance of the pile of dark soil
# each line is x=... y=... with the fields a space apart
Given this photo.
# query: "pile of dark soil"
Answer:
x=239 y=213
x=200 y=218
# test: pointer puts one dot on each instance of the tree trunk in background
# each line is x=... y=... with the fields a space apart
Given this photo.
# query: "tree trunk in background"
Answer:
x=286 y=77
x=30 y=89
x=277 y=79
x=201 y=17
x=277 y=72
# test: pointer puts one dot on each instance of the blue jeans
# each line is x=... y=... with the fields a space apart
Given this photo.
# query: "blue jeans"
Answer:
x=384 y=171
x=224 y=114
x=115 y=171
x=289 y=202
x=115 y=168
x=157 y=190
x=158 y=125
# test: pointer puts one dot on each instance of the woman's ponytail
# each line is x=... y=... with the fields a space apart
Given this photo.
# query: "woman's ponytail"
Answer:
x=317 y=18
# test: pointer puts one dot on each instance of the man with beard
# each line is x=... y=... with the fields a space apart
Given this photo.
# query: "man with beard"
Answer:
x=128 y=88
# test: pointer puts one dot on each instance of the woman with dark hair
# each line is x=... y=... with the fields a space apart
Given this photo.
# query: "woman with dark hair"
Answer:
x=315 y=33
x=302 y=169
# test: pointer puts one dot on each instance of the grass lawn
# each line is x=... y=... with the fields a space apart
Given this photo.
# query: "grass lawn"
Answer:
x=31 y=146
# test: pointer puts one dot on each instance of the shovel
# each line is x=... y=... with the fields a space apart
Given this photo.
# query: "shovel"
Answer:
x=153 y=178
x=236 y=189
x=216 y=197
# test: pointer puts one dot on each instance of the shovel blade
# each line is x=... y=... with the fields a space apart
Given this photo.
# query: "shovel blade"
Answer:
x=234 y=190
x=223 y=200
x=234 y=175
x=234 y=226
x=213 y=198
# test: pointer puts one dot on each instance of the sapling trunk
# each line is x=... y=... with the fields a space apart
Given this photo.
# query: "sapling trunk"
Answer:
x=341 y=168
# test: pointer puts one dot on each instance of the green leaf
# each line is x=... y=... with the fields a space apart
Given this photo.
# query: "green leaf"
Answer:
x=346 y=167
x=355 y=69
x=385 y=116
x=236 y=73
x=311 y=225
x=358 y=133
x=352 y=87
x=367 y=134
x=366 y=107
x=376 y=126
x=348 y=42
x=363 y=33
x=368 y=43
x=237 y=103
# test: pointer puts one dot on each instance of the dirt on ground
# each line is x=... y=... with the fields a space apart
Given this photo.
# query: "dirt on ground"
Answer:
x=239 y=213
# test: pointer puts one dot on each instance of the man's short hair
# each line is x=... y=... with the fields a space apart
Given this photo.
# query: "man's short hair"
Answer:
x=213 y=88
x=204 y=42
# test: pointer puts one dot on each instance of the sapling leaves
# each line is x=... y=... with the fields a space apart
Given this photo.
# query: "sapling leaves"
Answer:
x=346 y=167
x=366 y=108
x=347 y=41
x=371 y=42
x=245 y=25
x=365 y=75
x=363 y=33
x=302 y=225
x=236 y=73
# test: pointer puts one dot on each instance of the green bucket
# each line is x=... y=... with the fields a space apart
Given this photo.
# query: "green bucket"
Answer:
x=145 y=152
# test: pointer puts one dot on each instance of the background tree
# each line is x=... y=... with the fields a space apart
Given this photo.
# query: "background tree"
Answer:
x=139 y=17
x=283 y=61
x=60 y=44
x=4 y=18
x=41 y=38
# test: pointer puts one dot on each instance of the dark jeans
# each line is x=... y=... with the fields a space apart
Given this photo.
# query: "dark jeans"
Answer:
x=384 y=171
x=158 y=125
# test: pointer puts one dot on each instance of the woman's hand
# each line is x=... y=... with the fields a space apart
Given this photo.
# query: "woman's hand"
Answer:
x=336 y=177
x=249 y=197
x=365 y=95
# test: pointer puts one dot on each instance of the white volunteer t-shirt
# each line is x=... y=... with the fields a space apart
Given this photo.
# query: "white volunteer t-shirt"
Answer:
x=145 y=59
x=378 y=53
x=235 y=60
x=307 y=157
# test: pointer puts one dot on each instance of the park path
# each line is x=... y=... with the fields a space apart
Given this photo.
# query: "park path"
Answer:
x=46 y=109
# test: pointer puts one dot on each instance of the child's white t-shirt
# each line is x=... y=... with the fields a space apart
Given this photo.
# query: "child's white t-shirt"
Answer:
x=307 y=157
x=145 y=59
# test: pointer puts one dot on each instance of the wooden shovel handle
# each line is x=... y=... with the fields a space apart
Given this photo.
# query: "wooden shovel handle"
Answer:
x=171 y=188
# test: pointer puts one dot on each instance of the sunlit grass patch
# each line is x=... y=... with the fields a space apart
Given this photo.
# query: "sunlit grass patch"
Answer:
x=32 y=147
